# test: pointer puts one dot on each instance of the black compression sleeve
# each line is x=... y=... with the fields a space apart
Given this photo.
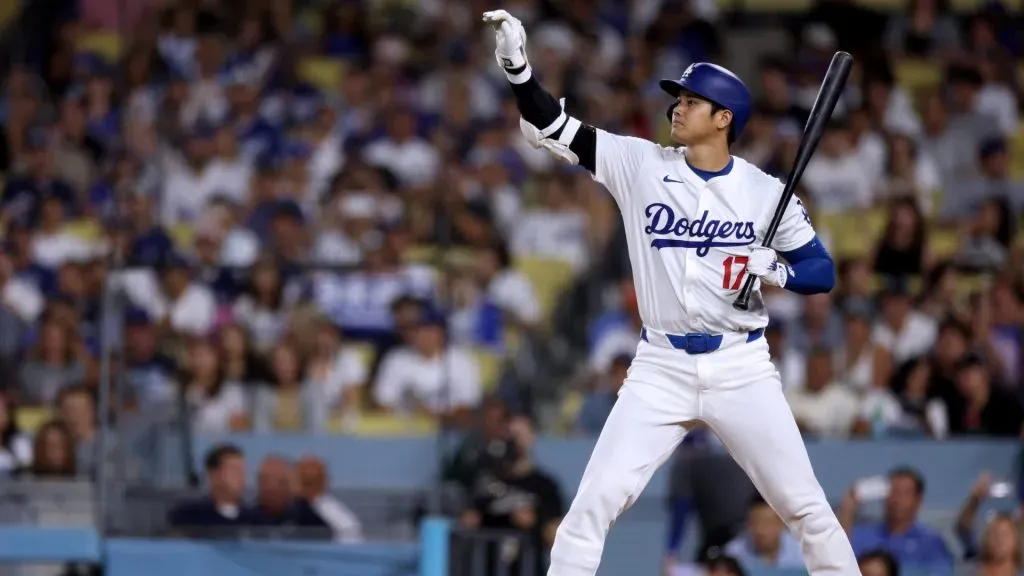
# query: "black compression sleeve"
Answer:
x=541 y=109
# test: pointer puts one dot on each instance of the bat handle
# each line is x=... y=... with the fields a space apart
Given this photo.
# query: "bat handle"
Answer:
x=742 y=301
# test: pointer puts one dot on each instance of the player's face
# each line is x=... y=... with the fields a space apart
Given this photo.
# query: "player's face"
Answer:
x=874 y=567
x=694 y=120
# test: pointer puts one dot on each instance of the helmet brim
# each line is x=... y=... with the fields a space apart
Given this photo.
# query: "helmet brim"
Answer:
x=672 y=87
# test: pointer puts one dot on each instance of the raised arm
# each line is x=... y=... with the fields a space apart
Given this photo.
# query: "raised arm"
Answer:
x=614 y=160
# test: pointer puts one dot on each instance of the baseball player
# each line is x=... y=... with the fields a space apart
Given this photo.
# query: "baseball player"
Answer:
x=694 y=216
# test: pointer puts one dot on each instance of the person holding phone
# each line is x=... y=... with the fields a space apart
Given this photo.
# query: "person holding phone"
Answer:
x=914 y=545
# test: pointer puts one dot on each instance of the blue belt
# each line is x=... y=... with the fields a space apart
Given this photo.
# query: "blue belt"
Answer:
x=699 y=342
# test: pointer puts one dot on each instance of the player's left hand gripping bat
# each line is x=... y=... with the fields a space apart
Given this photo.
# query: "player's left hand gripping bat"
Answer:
x=821 y=112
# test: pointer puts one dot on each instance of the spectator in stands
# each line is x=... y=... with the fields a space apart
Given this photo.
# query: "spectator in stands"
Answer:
x=263 y=310
x=223 y=507
x=835 y=178
x=819 y=325
x=473 y=319
x=52 y=366
x=982 y=406
x=724 y=566
x=507 y=287
x=907 y=408
x=879 y=563
x=901 y=249
x=488 y=436
x=430 y=377
x=926 y=29
x=216 y=405
x=766 y=544
x=1000 y=548
x=558 y=229
x=276 y=503
x=335 y=372
x=240 y=364
x=901 y=332
x=599 y=401
x=15 y=447
x=790 y=362
x=989 y=237
x=900 y=533
x=53 y=453
x=286 y=403
x=314 y=492
x=187 y=307
x=957 y=132
x=823 y=407
x=855 y=289
x=149 y=374
x=853 y=362
x=513 y=494
x=76 y=409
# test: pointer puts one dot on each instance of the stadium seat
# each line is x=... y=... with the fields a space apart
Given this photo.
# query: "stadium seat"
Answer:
x=490 y=368
x=31 y=419
x=182 y=235
x=944 y=242
x=549 y=278
x=1017 y=151
x=324 y=73
x=916 y=76
x=381 y=424
x=106 y=44
x=86 y=229
x=773 y=6
x=8 y=12
x=569 y=410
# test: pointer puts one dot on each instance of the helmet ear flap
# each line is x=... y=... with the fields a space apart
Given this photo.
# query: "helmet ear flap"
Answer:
x=671 y=108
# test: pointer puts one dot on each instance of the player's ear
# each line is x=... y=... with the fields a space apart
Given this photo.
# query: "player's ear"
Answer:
x=723 y=119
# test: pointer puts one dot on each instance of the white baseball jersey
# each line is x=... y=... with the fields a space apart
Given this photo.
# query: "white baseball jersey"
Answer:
x=688 y=238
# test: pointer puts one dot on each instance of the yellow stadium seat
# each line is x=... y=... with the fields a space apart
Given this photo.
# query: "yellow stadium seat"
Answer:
x=549 y=278
x=382 y=424
x=324 y=73
x=1017 y=151
x=31 y=419
x=774 y=6
x=86 y=229
x=182 y=235
x=106 y=44
x=490 y=368
x=9 y=11
x=365 y=352
x=943 y=243
x=569 y=410
x=915 y=76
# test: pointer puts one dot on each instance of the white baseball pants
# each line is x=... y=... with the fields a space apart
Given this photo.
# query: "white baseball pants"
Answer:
x=737 y=392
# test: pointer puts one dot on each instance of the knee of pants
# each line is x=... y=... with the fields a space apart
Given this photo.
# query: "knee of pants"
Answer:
x=813 y=518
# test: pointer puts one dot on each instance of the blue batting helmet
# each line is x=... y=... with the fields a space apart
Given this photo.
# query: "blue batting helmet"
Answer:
x=716 y=84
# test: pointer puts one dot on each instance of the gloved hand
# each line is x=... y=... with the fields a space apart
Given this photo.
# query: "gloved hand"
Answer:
x=510 y=39
x=764 y=263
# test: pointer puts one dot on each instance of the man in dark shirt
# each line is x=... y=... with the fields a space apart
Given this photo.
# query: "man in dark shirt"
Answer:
x=276 y=505
x=983 y=408
x=222 y=510
x=23 y=195
x=514 y=497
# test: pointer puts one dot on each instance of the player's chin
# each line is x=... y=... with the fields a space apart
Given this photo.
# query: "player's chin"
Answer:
x=679 y=134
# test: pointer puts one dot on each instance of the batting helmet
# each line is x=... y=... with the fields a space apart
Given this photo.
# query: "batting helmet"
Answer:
x=716 y=84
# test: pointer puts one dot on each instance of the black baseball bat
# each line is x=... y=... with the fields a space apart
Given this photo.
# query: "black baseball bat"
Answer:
x=824 y=104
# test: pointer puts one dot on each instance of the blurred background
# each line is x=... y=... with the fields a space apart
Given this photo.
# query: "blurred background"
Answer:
x=284 y=291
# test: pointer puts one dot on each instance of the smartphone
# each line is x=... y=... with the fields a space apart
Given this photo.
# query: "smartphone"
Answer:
x=872 y=488
x=1000 y=490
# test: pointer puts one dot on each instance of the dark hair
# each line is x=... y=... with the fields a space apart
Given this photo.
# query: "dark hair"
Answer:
x=715 y=109
x=10 y=430
x=1005 y=230
x=73 y=390
x=69 y=468
x=756 y=501
x=278 y=296
x=727 y=563
x=883 y=556
x=956 y=326
x=912 y=473
x=215 y=457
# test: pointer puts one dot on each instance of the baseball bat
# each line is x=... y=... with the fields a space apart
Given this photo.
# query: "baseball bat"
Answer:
x=821 y=112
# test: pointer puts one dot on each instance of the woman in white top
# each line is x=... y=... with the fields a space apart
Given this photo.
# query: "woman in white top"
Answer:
x=335 y=374
x=854 y=360
x=15 y=447
x=263 y=310
x=216 y=406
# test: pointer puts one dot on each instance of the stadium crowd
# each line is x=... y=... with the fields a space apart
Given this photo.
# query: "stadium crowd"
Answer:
x=288 y=215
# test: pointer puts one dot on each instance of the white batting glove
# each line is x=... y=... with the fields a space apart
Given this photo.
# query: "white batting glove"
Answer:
x=510 y=39
x=764 y=263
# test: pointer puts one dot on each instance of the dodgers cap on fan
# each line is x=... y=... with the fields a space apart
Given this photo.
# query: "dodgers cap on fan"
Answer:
x=717 y=84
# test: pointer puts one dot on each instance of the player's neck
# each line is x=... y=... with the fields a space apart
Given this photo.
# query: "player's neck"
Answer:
x=709 y=157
